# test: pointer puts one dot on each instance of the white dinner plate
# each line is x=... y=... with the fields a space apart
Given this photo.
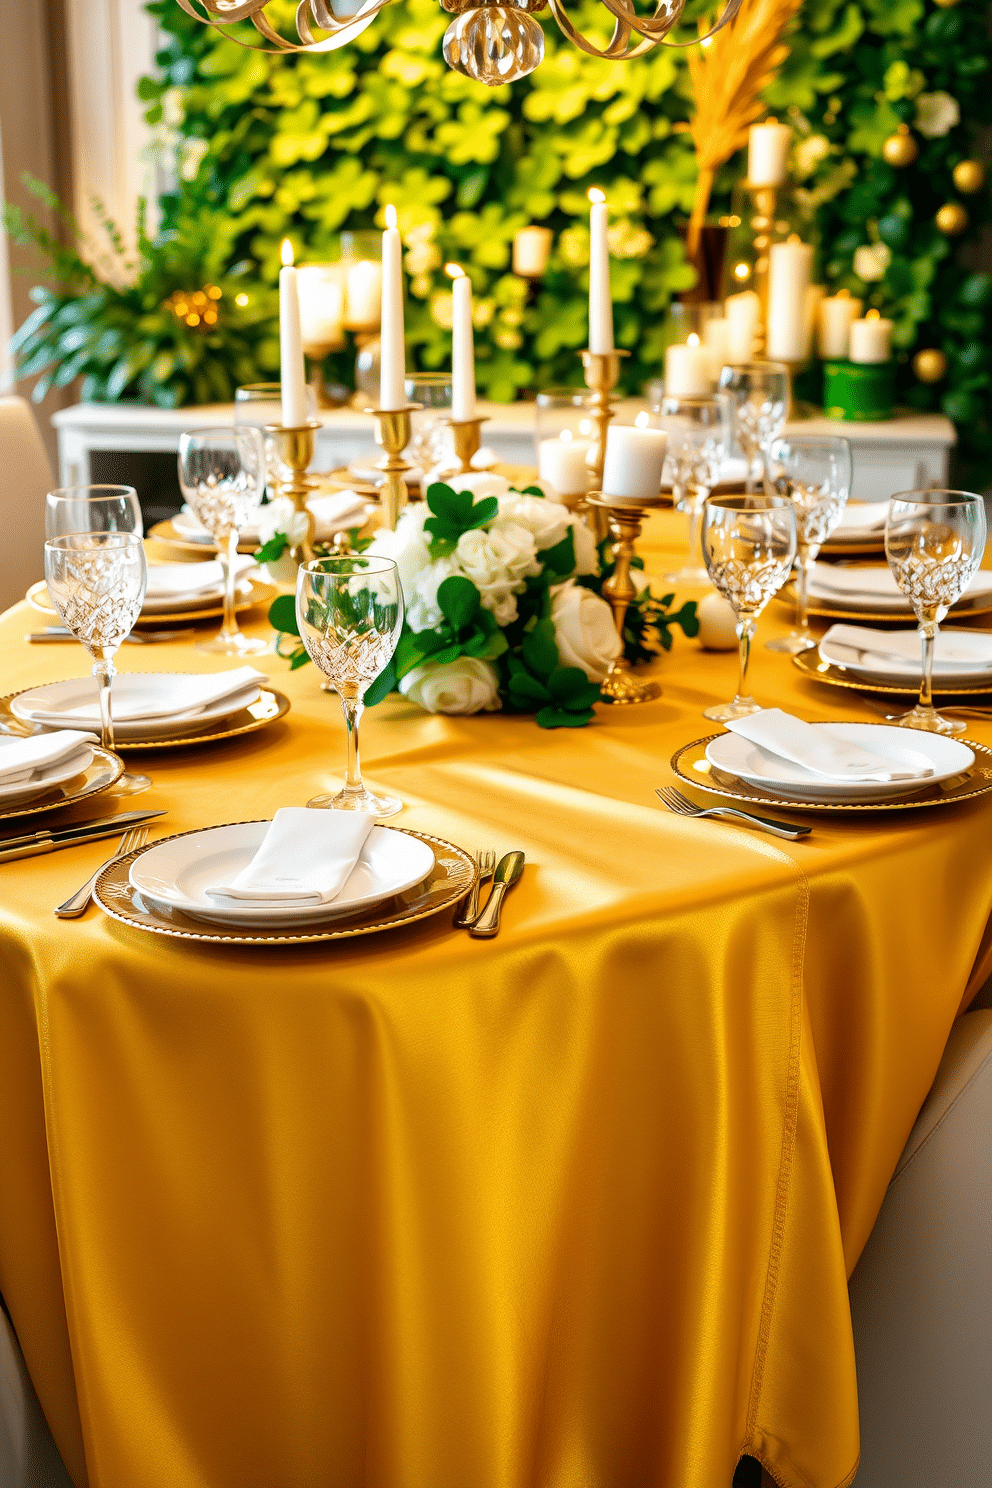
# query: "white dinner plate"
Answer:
x=44 y=780
x=896 y=656
x=176 y=875
x=749 y=762
x=872 y=588
x=81 y=692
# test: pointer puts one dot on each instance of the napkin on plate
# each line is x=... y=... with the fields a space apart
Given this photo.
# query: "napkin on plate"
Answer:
x=874 y=582
x=336 y=511
x=184 y=580
x=148 y=695
x=22 y=759
x=819 y=752
x=971 y=650
x=306 y=857
x=862 y=517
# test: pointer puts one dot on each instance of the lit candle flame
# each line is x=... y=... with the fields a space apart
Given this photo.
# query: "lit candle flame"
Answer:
x=873 y=315
x=454 y=271
x=595 y=195
x=643 y=418
x=693 y=339
x=390 y=216
x=287 y=253
x=565 y=436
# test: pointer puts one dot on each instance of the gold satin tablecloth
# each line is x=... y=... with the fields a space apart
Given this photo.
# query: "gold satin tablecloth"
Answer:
x=574 y=1208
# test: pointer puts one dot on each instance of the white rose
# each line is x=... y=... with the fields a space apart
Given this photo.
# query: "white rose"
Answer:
x=871 y=262
x=422 y=609
x=281 y=516
x=497 y=562
x=465 y=685
x=936 y=114
x=408 y=549
x=585 y=631
x=546 y=520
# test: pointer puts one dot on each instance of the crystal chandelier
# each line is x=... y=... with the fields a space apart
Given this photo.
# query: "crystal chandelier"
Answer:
x=492 y=41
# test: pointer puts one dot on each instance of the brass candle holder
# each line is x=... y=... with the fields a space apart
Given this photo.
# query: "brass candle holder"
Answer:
x=602 y=373
x=392 y=435
x=467 y=439
x=295 y=448
x=624 y=518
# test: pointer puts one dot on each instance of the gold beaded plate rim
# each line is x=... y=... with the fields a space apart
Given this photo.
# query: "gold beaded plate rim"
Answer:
x=960 y=611
x=269 y=707
x=812 y=665
x=450 y=879
x=262 y=592
x=103 y=771
x=691 y=765
x=165 y=533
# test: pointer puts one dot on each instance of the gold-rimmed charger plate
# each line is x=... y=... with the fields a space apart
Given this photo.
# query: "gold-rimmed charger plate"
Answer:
x=812 y=665
x=963 y=610
x=450 y=879
x=165 y=532
x=260 y=592
x=857 y=548
x=103 y=771
x=691 y=765
x=268 y=708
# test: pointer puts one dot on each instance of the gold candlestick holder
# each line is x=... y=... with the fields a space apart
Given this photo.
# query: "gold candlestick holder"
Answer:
x=602 y=373
x=625 y=518
x=392 y=435
x=295 y=449
x=467 y=439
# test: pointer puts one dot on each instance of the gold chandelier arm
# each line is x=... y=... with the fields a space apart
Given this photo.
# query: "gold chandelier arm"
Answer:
x=221 y=13
x=729 y=11
x=651 y=29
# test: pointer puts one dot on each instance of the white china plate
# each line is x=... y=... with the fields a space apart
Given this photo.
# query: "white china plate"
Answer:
x=874 y=666
x=66 y=769
x=202 y=599
x=872 y=588
x=80 y=692
x=176 y=874
x=756 y=766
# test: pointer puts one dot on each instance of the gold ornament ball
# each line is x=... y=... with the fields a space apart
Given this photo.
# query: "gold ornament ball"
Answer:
x=952 y=219
x=969 y=176
x=900 y=149
x=930 y=365
x=946 y=4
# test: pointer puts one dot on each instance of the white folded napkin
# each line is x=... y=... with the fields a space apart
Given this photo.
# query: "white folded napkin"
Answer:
x=819 y=752
x=167 y=580
x=967 y=650
x=306 y=857
x=862 y=517
x=337 y=511
x=24 y=759
x=874 y=581
x=139 y=696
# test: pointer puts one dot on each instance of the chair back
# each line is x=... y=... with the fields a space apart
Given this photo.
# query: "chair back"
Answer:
x=29 y=1457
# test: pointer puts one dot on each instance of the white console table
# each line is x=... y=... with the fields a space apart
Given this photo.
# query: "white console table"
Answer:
x=904 y=454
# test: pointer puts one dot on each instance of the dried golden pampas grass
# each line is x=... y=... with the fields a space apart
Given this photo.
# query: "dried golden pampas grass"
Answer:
x=728 y=73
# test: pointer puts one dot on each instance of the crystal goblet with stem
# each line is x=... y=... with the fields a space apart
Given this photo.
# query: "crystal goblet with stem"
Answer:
x=749 y=543
x=350 y=614
x=698 y=447
x=934 y=541
x=759 y=394
x=92 y=509
x=222 y=475
x=815 y=475
x=260 y=404
x=97 y=583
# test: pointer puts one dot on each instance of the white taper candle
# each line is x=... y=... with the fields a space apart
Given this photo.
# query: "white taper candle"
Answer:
x=600 y=304
x=291 y=369
x=392 y=354
x=462 y=347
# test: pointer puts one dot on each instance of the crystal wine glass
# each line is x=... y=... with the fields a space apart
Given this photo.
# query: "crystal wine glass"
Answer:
x=934 y=541
x=350 y=614
x=815 y=475
x=222 y=475
x=698 y=432
x=430 y=441
x=749 y=543
x=92 y=509
x=97 y=583
x=260 y=403
x=759 y=392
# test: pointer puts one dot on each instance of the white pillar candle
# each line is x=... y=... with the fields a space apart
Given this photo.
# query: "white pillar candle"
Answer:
x=871 y=338
x=392 y=354
x=634 y=458
x=562 y=463
x=790 y=265
x=531 y=246
x=462 y=347
x=291 y=369
x=834 y=318
x=743 y=313
x=715 y=340
x=600 y=304
x=321 y=305
x=768 y=153
x=364 y=295
x=688 y=370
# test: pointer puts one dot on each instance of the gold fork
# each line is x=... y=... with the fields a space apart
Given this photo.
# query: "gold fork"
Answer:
x=470 y=912
x=77 y=905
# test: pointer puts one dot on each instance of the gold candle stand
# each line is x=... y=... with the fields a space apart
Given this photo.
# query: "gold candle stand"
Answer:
x=621 y=685
x=467 y=439
x=295 y=448
x=392 y=435
x=602 y=373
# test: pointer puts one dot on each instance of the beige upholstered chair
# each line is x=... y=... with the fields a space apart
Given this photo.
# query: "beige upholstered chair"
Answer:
x=921 y=1295
x=25 y=476
x=29 y=1457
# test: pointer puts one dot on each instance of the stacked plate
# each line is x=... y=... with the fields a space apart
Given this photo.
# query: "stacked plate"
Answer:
x=191 y=586
x=871 y=590
x=182 y=875
x=333 y=512
x=32 y=767
x=962 y=658
x=861 y=529
x=147 y=706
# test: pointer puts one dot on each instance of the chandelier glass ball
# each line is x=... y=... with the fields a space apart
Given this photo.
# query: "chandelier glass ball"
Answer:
x=494 y=43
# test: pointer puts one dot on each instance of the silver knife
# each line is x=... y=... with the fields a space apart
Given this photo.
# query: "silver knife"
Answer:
x=33 y=843
x=508 y=870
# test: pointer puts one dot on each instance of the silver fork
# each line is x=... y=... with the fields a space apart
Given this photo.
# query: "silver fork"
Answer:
x=77 y=905
x=469 y=913
x=964 y=712
x=682 y=806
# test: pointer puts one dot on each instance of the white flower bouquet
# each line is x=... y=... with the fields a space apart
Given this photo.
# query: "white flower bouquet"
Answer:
x=503 y=609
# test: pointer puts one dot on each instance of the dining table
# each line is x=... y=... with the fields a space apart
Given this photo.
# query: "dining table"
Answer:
x=575 y=1207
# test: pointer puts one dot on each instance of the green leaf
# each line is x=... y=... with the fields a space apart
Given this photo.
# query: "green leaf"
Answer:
x=282 y=614
x=383 y=685
x=273 y=549
x=552 y=718
x=459 y=601
x=527 y=688
x=560 y=560
x=540 y=649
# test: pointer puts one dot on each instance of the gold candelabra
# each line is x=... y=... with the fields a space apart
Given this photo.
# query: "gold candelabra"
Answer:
x=602 y=373
x=295 y=447
x=467 y=438
x=392 y=435
x=625 y=519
